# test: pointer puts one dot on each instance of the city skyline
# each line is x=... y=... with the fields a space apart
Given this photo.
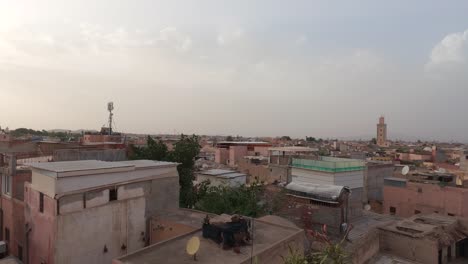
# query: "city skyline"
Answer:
x=237 y=68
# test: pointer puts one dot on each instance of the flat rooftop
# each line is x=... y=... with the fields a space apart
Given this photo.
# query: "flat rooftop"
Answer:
x=220 y=173
x=329 y=164
x=87 y=167
x=293 y=149
x=421 y=225
x=268 y=232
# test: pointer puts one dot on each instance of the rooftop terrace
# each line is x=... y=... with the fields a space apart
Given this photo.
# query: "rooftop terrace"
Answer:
x=329 y=164
x=268 y=235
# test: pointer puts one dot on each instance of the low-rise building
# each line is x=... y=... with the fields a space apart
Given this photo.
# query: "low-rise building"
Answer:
x=272 y=238
x=333 y=171
x=328 y=204
x=220 y=177
x=230 y=152
x=93 y=211
x=436 y=193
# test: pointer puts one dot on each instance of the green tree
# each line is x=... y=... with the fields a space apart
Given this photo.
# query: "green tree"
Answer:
x=288 y=138
x=374 y=141
x=243 y=200
x=154 y=150
x=184 y=152
x=229 y=138
x=311 y=139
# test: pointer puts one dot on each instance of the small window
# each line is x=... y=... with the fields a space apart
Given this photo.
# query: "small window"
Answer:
x=419 y=190
x=7 y=234
x=417 y=212
x=41 y=202
x=436 y=212
x=20 y=252
x=449 y=214
x=113 y=195
x=392 y=210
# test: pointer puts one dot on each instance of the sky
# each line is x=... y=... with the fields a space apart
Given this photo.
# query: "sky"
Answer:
x=242 y=67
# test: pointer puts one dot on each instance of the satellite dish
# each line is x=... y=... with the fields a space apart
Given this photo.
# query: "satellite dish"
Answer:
x=367 y=207
x=193 y=245
x=442 y=170
x=405 y=170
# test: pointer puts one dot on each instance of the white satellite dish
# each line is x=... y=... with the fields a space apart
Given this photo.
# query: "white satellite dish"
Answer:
x=193 y=245
x=405 y=170
x=367 y=207
x=442 y=170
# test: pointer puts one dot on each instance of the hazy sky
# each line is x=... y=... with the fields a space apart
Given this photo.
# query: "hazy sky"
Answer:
x=297 y=68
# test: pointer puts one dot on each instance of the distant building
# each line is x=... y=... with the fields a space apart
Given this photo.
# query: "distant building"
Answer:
x=425 y=193
x=428 y=239
x=333 y=171
x=382 y=133
x=230 y=152
x=218 y=177
x=94 y=211
x=328 y=204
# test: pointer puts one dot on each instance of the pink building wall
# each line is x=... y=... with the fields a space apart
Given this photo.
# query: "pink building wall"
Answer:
x=41 y=238
x=426 y=198
x=236 y=153
x=262 y=151
x=13 y=213
x=221 y=156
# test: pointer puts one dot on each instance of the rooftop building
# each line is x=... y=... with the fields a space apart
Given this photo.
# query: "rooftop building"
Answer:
x=272 y=237
x=220 y=177
x=103 y=207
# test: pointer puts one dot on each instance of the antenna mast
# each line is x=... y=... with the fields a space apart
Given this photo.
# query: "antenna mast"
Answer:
x=110 y=107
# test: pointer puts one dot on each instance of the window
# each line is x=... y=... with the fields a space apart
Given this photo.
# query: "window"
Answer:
x=449 y=214
x=436 y=212
x=112 y=195
x=392 y=210
x=417 y=212
x=6 y=188
x=419 y=190
x=41 y=202
x=7 y=234
x=20 y=252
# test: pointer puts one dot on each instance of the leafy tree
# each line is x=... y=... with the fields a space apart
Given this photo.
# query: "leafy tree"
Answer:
x=288 y=138
x=374 y=141
x=155 y=150
x=184 y=152
x=229 y=138
x=243 y=200
x=311 y=139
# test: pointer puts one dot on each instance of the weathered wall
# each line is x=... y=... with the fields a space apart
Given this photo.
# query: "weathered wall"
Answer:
x=222 y=156
x=281 y=173
x=275 y=254
x=375 y=180
x=41 y=242
x=366 y=247
x=254 y=171
x=415 y=249
x=117 y=225
x=236 y=153
x=164 y=195
x=77 y=154
x=426 y=198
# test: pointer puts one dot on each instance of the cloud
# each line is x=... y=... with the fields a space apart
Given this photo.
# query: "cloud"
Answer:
x=229 y=37
x=180 y=41
x=301 y=40
x=451 y=52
